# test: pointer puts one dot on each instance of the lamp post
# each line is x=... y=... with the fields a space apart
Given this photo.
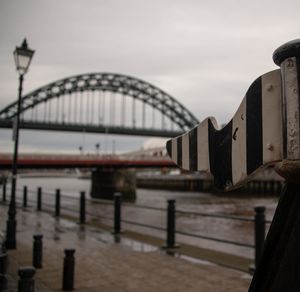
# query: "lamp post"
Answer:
x=23 y=56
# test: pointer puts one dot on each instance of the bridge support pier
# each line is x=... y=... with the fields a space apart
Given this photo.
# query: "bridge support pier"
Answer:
x=106 y=182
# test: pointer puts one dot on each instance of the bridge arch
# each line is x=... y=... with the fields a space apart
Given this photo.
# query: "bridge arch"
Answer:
x=116 y=84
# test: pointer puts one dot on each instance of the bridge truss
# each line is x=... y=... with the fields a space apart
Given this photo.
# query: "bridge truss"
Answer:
x=101 y=103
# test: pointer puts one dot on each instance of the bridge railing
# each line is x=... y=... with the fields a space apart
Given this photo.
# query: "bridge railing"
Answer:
x=85 y=157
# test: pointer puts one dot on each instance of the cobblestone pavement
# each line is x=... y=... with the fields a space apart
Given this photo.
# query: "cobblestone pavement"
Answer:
x=102 y=264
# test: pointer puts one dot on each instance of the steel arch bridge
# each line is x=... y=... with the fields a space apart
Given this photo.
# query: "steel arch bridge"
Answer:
x=101 y=103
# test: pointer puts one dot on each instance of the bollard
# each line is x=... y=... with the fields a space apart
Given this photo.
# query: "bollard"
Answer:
x=170 y=243
x=82 y=207
x=68 y=271
x=117 y=211
x=4 y=190
x=259 y=232
x=3 y=271
x=39 y=199
x=57 y=203
x=25 y=196
x=26 y=281
x=37 y=255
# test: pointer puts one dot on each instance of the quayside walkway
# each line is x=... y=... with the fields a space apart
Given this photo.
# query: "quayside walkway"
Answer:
x=102 y=264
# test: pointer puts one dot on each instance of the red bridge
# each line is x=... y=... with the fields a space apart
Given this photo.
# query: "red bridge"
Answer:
x=85 y=161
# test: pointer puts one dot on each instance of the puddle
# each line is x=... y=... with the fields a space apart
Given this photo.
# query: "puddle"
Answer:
x=194 y=260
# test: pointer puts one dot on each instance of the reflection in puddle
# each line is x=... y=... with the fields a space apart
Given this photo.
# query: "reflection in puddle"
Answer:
x=134 y=245
x=38 y=226
x=57 y=231
x=138 y=246
x=194 y=260
x=81 y=232
x=117 y=238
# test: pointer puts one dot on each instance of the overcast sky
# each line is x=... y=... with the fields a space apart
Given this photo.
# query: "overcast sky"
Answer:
x=203 y=53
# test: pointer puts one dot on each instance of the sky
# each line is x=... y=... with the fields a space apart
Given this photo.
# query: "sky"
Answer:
x=203 y=53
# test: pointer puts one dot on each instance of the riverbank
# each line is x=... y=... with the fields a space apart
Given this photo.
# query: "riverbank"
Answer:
x=265 y=185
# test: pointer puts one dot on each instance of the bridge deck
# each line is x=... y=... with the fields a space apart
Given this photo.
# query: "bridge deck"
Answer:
x=77 y=161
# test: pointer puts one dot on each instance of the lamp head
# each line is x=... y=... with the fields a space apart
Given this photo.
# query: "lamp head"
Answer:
x=23 y=56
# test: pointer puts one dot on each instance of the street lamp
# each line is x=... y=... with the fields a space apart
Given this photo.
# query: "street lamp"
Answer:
x=23 y=56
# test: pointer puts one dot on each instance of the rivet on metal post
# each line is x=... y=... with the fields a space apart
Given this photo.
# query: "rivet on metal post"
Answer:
x=68 y=271
x=26 y=281
x=37 y=255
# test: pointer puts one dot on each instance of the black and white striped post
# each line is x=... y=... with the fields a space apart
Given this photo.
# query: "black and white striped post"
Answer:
x=265 y=130
x=252 y=138
x=281 y=249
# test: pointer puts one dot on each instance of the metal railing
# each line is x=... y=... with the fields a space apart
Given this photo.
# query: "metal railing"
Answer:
x=78 y=206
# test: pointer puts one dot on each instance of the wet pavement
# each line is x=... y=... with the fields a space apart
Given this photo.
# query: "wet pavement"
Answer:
x=102 y=264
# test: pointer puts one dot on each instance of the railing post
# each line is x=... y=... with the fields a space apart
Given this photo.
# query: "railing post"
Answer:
x=3 y=271
x=260 y=231
x=82 y=207
x=4 y=190
x=37 y=255
x=68 y=272
x=171 y=229
x=39 y=199
x=26 y=281
x=117 y=213
x=57 y=203
x=25 y=196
